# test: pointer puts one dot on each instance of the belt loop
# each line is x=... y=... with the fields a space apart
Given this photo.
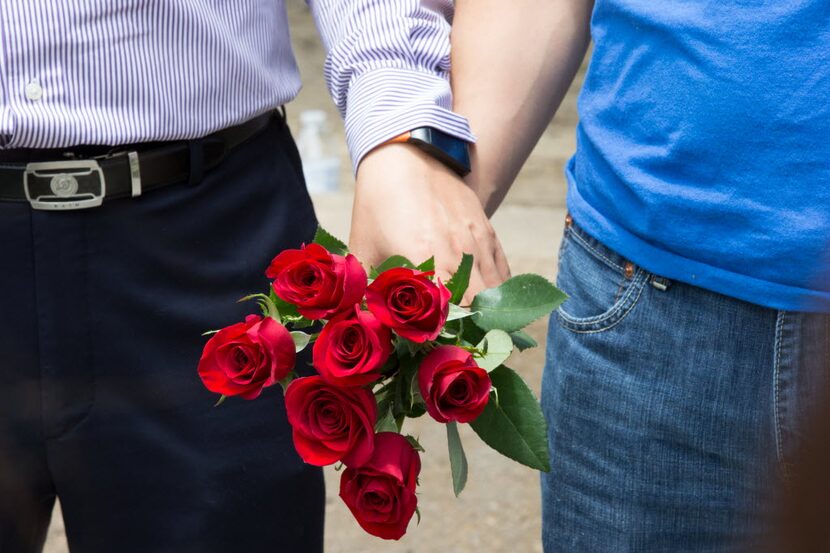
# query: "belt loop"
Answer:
x=135 y=174
x=197 y=162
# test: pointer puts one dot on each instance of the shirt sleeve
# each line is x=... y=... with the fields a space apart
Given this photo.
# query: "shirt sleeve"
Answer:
x=387 y=68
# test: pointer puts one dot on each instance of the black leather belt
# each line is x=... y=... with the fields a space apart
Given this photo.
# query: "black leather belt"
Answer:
x=81 y=182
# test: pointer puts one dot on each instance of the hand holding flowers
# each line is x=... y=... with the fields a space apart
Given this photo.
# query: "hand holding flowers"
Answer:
x=394 y=345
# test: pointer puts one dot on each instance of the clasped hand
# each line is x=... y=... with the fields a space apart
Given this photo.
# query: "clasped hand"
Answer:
x=407 y=203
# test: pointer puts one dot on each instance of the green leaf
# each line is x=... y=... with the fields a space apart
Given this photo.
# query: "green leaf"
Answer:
x=328 y=241
x=471 y=333
x=522 y=340
x=266 y=305
x=270 y=310
x=450 y=333
x=460 y=280
x=514 y=424
x=405 y=402
x=386 y=422
x=383 y=397
x=497 y=347
x=417 y=406
x=457 y=312
x=458 y=461
x=301 y=340
x=221 y=400
x=417 y=410
x=251 y=297
x=288 y=311
x=287 y=380
x=385 y=401
x=302 y=322
x=391 y=263
x=209 y=332
x=516 y=303
x=389 y=367
x=427 y=266
x=416 y=445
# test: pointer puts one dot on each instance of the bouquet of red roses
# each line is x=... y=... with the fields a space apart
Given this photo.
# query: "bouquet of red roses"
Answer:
x=392 y=345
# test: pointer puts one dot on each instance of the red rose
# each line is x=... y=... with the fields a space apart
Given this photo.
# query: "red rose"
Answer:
x=319 y=283
x=409 y=303
x=331 y=424
x=244 y=358
x=381 y=493
x=452 y=385
x=352 y=348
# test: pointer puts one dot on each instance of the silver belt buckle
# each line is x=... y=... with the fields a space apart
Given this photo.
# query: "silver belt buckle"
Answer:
x=64 y=185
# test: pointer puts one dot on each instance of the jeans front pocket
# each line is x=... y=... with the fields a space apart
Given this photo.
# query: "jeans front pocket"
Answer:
x=602 y=286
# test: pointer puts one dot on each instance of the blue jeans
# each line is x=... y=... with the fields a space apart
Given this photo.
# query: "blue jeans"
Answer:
x=673 y=412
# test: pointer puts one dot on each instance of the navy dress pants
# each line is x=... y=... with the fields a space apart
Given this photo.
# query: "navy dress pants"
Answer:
x=101 y=316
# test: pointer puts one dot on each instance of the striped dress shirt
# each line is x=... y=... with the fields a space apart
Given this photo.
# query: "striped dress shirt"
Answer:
x=124 y=71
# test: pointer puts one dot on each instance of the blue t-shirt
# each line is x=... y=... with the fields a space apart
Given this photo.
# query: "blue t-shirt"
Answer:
x=703 y=148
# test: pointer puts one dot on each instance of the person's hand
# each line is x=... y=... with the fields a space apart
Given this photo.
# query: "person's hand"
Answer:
x=407 y=203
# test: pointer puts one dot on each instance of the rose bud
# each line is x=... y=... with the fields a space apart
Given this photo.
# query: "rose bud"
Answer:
x=454 y=388
x=409 y=303
x=244 y=358
x=319 y=283
x=331 y=424
x=352 y=348
x=381 y=493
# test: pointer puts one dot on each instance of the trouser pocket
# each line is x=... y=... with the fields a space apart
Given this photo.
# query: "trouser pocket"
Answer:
x=602 y=286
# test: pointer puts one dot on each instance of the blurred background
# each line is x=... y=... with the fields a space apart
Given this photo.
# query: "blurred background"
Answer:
x=500 y=508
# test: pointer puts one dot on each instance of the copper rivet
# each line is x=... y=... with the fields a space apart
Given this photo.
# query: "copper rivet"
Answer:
x=569 y=220
x=629 y=269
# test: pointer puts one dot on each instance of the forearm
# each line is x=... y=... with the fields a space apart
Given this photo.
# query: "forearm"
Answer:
x=512 y=63
x=387 y=68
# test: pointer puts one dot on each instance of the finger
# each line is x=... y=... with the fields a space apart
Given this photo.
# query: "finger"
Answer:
x=486 y=264
x=501 y=263
x=486 y=244
x=365 y=252
x=442 y=274
x=446 y=263
x=476 y=285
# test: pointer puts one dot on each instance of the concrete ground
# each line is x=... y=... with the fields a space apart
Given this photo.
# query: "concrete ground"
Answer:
x=499 y=510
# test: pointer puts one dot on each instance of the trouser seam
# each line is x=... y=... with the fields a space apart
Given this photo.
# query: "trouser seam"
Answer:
x=779 y=442
x=38 y=355
x=36 y=304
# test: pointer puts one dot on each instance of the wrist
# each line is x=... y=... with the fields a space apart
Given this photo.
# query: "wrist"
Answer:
x=394 y=164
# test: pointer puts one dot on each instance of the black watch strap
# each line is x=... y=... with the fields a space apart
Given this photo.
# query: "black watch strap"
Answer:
x=449 y=150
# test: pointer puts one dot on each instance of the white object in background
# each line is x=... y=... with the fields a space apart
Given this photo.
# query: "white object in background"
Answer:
x=321 y=167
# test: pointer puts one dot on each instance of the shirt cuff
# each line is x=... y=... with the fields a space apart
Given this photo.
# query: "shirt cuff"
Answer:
x=387 y=102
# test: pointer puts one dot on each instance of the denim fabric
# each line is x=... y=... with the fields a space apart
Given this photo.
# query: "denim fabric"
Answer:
x=101 y=315
x=673 y=411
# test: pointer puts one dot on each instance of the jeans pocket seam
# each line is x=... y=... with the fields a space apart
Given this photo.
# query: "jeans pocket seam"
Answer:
x=598 y=254
x=777 y=415
x=615 y=314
